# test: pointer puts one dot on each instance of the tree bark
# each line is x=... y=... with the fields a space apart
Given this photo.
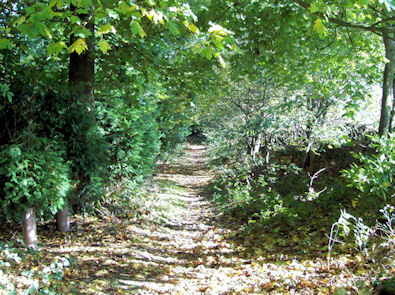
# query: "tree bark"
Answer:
x=62 y=220
x=392 y=116
x=388 y=88
x=81 y=80
x=29 y=228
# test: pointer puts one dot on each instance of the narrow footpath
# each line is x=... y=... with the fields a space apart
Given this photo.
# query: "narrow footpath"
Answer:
x=187 y=248
x=179 y=244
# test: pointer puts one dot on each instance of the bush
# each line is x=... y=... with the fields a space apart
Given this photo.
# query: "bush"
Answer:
x=33 y=173
x=374 y=175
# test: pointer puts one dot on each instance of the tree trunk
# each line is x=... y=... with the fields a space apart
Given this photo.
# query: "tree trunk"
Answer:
x=388 y=88
x=29 y=228
x=81 y=79
x=62 y=220
x=392 y=116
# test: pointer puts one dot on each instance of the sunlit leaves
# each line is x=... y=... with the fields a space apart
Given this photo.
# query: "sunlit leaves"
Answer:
x=56 y=48
x=218 y=30
x=104 y=46
x=58 y=3
x=78 y=46
x=155 y=16
x=314 y=7
x=137 y=29
x=82 y=32
x=194 y=29
x=126 y=9
x=75 y=20
x=319 y=27
x=105 y=29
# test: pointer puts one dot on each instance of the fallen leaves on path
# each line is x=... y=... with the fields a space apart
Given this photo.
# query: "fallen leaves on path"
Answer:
x=182 y=245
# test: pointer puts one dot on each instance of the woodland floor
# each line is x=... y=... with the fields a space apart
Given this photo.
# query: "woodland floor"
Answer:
x=182 y=245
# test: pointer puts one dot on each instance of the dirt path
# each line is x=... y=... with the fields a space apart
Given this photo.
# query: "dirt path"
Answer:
x=186 y=247
x=179 y=244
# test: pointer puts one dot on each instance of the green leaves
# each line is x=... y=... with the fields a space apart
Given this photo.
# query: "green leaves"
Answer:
x=5 y=91
x=319 y=27
x=314 y=7
x=126 y=9
x=5 y=43
x=78 y=46
x=104 y=46
x=173 y=28
x=207 y=52
x=56 y=48
x=137 y=29
x=105 y=29
x=34 y=29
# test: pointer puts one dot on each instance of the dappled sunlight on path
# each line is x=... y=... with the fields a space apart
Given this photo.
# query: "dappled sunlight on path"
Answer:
x=180 y=244
x=187 y=245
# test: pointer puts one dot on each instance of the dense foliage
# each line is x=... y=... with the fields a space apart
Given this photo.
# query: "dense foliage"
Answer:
x=285 y=93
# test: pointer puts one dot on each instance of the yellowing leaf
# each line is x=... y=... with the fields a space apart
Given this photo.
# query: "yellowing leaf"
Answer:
x=104 y=46
x=319 y=27
x=137 y=29
x=194 y=29
x=78 y=46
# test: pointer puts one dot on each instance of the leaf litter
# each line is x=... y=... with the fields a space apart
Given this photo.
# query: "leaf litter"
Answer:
x=181 y=244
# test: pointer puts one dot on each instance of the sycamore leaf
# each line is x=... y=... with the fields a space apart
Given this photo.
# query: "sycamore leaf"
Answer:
x=105 y=29
x=173 y=28
x=137 y=29
x=56 y=2
x=82 y=33
x=126 y=9
x=56 y=48
x=75 y=20
x=319 y=27
x=104 y=46
x=314 y=7
x=194 y=29
x=207 y=52
x=78 y=46
x=5 y=43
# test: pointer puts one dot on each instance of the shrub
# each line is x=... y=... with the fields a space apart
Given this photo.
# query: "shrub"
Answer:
x=33 y=173
x=374 y=175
